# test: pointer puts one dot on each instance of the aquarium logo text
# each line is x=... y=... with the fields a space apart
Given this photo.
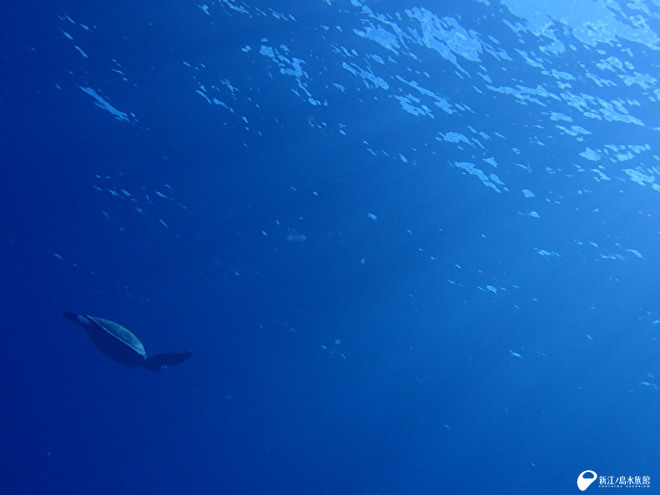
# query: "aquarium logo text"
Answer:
x=587 y=477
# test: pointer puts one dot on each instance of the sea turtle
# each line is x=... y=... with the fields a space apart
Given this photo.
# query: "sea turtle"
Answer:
x=121 y=345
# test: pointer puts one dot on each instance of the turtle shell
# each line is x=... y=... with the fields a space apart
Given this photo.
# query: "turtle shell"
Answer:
x=113 y=340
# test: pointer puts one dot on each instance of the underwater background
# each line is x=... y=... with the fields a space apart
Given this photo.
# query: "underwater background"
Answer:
x=413 y=245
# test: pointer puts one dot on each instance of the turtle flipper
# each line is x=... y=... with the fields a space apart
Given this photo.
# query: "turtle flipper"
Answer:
x=155 y=363
x=73 y=317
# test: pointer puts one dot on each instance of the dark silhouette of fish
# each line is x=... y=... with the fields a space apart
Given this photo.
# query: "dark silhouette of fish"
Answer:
x=121 y=345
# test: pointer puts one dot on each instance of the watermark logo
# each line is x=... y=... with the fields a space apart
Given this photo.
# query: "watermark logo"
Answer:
x=624 y=481
x=587 y=477
x=583 y=481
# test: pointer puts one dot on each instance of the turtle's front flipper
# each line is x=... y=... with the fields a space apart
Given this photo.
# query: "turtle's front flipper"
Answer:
x=80 y=319
x=155 y=363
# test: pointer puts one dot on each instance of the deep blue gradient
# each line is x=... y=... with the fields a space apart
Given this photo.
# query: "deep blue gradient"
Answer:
x=412 y=245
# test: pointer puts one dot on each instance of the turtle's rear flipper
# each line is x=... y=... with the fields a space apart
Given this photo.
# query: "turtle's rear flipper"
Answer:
x=155 y=363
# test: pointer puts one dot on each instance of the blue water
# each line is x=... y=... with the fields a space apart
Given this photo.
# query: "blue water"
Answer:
x=412 y=245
